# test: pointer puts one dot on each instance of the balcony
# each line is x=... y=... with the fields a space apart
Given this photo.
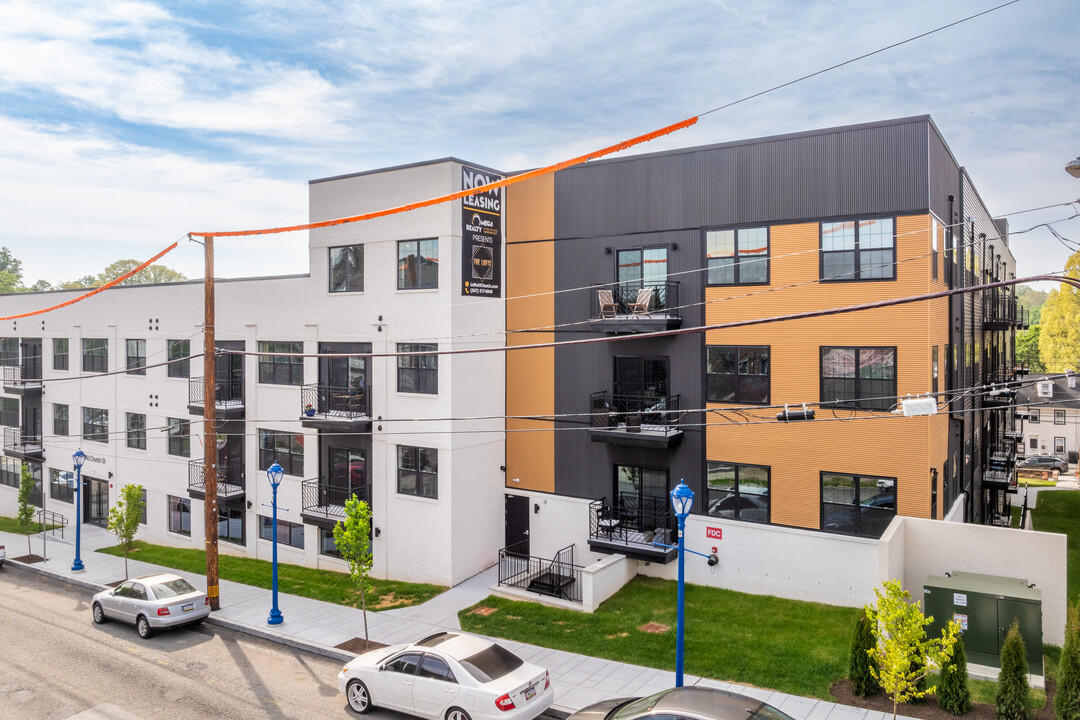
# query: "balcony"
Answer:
x=230 y=482
x=23 y=445
x=638 y=420
x=631 y=525
x=20 y=380
x=324 y=500
x=635 y=308
x=341 y=409
x=228 y=398
x=1001 y=312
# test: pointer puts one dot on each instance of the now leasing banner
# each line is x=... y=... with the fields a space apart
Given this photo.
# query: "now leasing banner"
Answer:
x=481 y=235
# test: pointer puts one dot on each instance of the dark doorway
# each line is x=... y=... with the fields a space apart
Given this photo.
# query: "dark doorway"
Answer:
x=31 y=359
x=96 y=502
x=517 y=524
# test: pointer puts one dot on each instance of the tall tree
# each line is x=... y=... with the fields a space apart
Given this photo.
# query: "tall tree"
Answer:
x=352 y=536
x=1027 y=349
x=10 y=272
x=150 y=274
x=1031 y=300
x=1059 y=337
x=124 y=518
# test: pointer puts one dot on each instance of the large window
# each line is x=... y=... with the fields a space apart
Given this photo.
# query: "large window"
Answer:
x=9 y=352
x=136 y=431
x=857 y=504
x=136 y=357
x=1059 y=417
x=178 y=432
x=281 y=369
x=737 y=257
x=179 y=515
x=418 y=373
x=9 y=411
x=1034 y=415
x=288 y=533
x=60 y=419
x=231 y=524
x=738 y=374
x=60 y=353
x=347 y=268
x=418 y=264
x=418 y=471
x=95 y=423
x=862 y=249
x=739 y=492
x=284 y=448
x=642 y=267
x=95 y=357
x=327 y=546
x=179 y=360
x=863 y=378
x=62 y=485
x=10 y=471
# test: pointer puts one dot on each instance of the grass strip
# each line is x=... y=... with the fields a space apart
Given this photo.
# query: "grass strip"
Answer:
x=11 y=525
x=1057 y=512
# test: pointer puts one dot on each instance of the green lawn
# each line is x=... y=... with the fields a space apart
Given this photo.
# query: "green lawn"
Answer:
x=1059 y=511
x=324 y=585
x=11 y=525
x=787 y=645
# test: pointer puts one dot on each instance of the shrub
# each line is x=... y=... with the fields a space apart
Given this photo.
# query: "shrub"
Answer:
x=953 y=694
x=863 y=682
x=1067 y=697
x=1013 y=692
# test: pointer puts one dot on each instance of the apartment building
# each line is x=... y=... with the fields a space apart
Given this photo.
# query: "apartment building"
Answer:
x=355 y=416
x=653 y=259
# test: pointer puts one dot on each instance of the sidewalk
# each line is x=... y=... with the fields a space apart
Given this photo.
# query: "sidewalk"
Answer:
x=318 y=626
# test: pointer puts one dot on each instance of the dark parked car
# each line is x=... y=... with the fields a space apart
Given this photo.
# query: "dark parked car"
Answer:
x=1045 y=462
x=691 y=703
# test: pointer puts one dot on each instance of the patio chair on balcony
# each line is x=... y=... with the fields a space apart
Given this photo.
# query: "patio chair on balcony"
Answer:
x=640 y=307
x=608 y=307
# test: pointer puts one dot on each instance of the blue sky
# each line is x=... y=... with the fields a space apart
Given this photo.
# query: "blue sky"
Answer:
x=127 y=124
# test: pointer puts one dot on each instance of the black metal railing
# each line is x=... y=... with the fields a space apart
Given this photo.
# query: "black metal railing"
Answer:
x=227 y=393
x=554 y=577
x=230 y=479
x=327 y=498
x=330 y=402
x=663 y=301
x=28 y=375
x=632 y=520
x=644 y=412
x=51 y=521
x=15 y=440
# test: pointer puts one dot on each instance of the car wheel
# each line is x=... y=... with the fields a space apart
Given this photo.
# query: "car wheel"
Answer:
x=99 y=614
x=357 y=694
x=456 y=713
x=143 y=626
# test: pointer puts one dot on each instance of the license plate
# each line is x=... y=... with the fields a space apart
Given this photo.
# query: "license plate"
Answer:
x=188 y=607
x=530 y=692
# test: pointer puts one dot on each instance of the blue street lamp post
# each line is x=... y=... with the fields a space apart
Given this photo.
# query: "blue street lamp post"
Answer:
x=274 y=473
x=682 y=499
x=79 y=458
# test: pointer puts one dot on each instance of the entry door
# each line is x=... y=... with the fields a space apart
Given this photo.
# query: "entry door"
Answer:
x=229 y=376
x=641 y=496
x=517 y=524
x=348 y=476
x=31 y=359
x=96 y=504
x=31 y=422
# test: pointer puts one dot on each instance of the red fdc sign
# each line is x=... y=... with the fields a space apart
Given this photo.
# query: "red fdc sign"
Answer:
x=714 y=533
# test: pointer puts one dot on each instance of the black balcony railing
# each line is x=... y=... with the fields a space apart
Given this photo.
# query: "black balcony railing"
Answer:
x=555 y=577
x=327 y=498
x=632 y=520
x=328 y=402
x=27 y=376
x=627 y=300
x=227 y=393
x=230 y=482
x=641 y=412
x=17 y=441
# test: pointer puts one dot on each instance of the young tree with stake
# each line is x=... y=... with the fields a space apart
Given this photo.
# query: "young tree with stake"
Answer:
x=352 y=536
x=124 y=518
x=25 y=516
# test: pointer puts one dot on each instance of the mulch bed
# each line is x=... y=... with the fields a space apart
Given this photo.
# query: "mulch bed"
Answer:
x=359 y=645
x=928 y=709
x=29 y=559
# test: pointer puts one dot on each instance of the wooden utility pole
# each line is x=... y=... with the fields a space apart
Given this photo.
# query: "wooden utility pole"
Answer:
x=210 y=454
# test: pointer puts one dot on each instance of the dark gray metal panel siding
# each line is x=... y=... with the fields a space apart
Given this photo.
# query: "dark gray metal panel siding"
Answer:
x=944 y=175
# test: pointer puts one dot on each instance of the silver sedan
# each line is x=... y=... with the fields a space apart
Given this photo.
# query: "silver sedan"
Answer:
x=152 y=602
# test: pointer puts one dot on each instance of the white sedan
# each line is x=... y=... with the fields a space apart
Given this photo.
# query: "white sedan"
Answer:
x=448 y=676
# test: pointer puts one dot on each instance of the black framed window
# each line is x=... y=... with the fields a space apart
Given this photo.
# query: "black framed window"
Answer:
x=642 y=267
x=862 y=249
x=62 y=485
x=281 y=369
x=1059 y=417
x=738 y=492
x=178 y=432
x=9 y=352
x=231 y=524
x=418 y=264
x=327 y=546
x=95 y=424
x=10 y=471
x=136 y=431
x=1059 y=446
x=60 y=353
x=288 y=533
x=418 y=471
x=934 y=369
x=60 y=419
x=179 y=358
x=142 y=495
x=95 y=356
x=284 y=448
x=739 y=256
x=9 y=411
x=136 y=357
x=857 y=504
x=1034 y=415
x=347 y=268
x=179 y=515
x=418 y=373
x=863 y=378
x=738 y=374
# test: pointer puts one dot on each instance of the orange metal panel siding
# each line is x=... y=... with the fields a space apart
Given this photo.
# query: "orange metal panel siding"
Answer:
x=530 y=374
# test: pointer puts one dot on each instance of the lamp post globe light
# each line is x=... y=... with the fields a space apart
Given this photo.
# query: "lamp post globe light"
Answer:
x=682 y=499
x=78 y=458
x=1073 y=168
x=274 y=473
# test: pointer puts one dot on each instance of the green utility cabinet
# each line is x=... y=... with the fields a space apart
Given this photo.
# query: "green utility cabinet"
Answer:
x=985 y=606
